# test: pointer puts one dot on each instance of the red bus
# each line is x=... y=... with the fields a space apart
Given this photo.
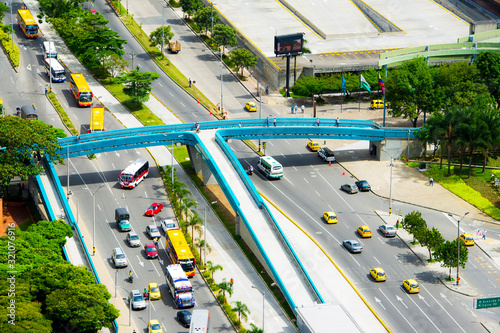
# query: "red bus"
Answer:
x=134 y=173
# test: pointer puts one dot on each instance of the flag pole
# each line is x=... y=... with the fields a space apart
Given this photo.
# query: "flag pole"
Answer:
x=383 y=90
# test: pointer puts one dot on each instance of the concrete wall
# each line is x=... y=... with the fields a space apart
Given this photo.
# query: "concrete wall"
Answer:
x=379 y=21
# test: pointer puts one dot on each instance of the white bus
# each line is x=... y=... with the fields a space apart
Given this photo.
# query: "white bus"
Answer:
x=134 y=173
x=199 y=321
x=179 y=286
x=54 y=70
x=49 y=50
x=270 y=167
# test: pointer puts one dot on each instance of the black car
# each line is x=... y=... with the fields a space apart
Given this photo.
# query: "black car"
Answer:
x=184 y=318
x=363 y=185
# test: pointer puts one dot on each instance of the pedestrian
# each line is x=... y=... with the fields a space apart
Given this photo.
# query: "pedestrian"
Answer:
x=239 y=125
x=267 y=121
x=231 y=282
x=431 y=181
x=292 y=109
x=317 y=121
x=484 y=234
x=34 y=107
x=189 y=82
x=274 y=122
x=397 y=224
x=478 y=233
x=267 y=90
x=46 y=89
x=338 y=121
x=303 y=108
x=296 y=108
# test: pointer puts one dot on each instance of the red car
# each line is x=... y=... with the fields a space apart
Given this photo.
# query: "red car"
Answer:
x=151 y=252
x=153 y=209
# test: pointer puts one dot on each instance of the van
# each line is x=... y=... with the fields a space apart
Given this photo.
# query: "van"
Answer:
x=49 y=50
x=270 y=167
x=119 y=258
x=29 y=112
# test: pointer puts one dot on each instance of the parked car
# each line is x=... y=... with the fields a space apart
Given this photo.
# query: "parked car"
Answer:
x=133 y=239
x=388 y=230
x=151 y=251
x=167 y=224
x=411 y=286
x=153 y=231
x=119 y=258
x=313 y=145
x=184 y=318
x=363 y=185
x=349 y=188
x=138 y=302
x=353 y=246
x=154 y=209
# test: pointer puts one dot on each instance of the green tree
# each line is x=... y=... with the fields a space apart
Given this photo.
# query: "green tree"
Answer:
x=28 y=318
x=186 y=205
x=61 y=8
x=212 y=268
x=410 y=90
x=203 y=18
x=242 y=58
x=414 y=224
x=200 y=244
x=21 y=139
x=84 y=307
x=225 y=287
x=115 y=64
x=3 y=10
x=194 y=221
x=432 y=239
x=255 y=329
x=190 y=6
x=242 y=310
x=138 y=84
x=155 y=38
x=224 y=36
x=488 y=64
x=308 y=85
x=491 y=117
x=447 y=254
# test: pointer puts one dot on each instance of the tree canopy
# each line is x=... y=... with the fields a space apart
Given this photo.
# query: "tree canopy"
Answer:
x=190 y=6
x=242 y=58
x=138 y=84
x=156 y=36
x=224 y=35
x=21 y=139
x=204 y=16
x=488 y=64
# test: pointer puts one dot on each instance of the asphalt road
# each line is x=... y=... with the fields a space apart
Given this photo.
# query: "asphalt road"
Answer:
x=310 y=187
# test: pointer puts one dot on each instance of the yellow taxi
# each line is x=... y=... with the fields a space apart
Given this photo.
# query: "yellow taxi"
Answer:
x=154 y=326
x=378 y=104
x=154 y=291
x=364 y=231
x=250 y=106
x=378 y=274
x=313 y=145
x=330 y=217
x=467 y=239
x=411 y=286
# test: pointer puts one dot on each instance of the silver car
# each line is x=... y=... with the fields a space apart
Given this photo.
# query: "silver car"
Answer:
x=153 y=231
x=388 y=230
x=138 y=302
x=353 y=246
x=133 y=239
x=168 y=224
x=119 y=258
x=349 y=188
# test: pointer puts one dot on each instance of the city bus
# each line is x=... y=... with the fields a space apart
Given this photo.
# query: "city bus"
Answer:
x=80 y=89
x=54 y=70
x=27 y=23
x=270 y=167
x=179 y=251
x=199 y=321
x=134 y=173
x=179 y=286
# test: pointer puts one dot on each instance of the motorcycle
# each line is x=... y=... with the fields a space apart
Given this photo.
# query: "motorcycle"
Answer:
x=250 y=171
x=145 y=295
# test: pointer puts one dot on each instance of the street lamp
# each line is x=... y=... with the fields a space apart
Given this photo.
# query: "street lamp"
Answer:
x=205 y=232
x=263 y=299
x=162 y=29
x=221 y=86
x=458 y=244
x=93 y=218
x=390 y=182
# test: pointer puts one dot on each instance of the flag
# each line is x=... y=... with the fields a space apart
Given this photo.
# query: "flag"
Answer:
x=343 y=85
x=364 y=84
x=381 y=84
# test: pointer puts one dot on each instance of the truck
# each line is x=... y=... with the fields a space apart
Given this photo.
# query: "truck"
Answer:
x=122 y=218
x=96 y=119
x=174 y=47
x=179 y=286
x=326 y=154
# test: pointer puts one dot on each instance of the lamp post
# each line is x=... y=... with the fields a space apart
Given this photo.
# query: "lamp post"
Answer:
x=162 y=29
x=11 y=26
x=221 y=87
x=263 y=304
x=390 y=181
x=172 y=166
x=260 y=110
x=205 y=232
x=458 y=244
x=93 y=218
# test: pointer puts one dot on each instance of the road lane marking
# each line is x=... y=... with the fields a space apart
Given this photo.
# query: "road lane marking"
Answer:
x=377 y=260
x=397 y=309
x=380 y=303
x=425 y=314
x=445 y=298
x=306 y=180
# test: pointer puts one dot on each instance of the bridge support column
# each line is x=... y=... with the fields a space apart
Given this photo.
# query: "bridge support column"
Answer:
x=237 y=221
x=200 y=166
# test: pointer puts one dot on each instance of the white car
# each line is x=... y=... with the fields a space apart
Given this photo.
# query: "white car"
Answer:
x=133 y=239
x=138 y=302
x=153 y=231
x=168 y=224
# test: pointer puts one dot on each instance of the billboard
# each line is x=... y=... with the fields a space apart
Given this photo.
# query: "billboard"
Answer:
x=97 y=119
x=288 y=44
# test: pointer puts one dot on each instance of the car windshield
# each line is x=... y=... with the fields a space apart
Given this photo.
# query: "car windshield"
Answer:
x=134 y=237
x=151 y=249
x=469 y=238
x=368 y=230
x=156 y=326
x=153 y=230
x=187 y=316
x=413 y=285
x=356 y=245
x=120 y=256
x=390 y=227
x=123 y=222
x=380 y=273
x=152 y=207
x=187 y=266
x=85 y=97
x=138 y=298
x=169 y=225
x=154 y=289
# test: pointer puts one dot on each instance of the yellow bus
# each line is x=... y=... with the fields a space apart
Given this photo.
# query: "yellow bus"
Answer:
x=27 y=23
x=179 y=251
x=80 y=89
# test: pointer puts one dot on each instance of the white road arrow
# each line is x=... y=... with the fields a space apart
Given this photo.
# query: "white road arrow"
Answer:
x=446 y=299
x=140 y=262
x=422 y=298
x=401 y=300
x=379 y=302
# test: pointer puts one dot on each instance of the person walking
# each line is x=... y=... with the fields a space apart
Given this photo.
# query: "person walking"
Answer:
x=303 y=108
x=274 y=121
x=296 y=108
x=189 y=82
x=267 y=121
x=431 y=181
x=484 y=234
x=397 y=224
x=317 y=121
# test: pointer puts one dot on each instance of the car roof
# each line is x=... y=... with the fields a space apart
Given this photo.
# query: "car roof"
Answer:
x=151 y=226
x=153 y=284
x=135 y=292
x=410 y=281
x=150 y=245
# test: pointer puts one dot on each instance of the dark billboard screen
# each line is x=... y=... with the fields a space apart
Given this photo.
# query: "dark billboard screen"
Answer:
x=288 y=44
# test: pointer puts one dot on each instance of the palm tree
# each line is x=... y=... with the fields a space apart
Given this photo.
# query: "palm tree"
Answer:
x=213 y=268
x=225 y=286
x=194 y=221
x=186 y=204
x=255 y=329
x=242 y=310
x=200 y=243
